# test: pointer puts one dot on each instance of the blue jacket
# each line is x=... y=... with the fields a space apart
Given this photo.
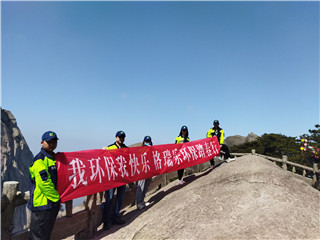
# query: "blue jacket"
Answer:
x=44 y=178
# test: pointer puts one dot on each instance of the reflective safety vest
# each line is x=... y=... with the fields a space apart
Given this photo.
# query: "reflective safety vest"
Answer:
x=44 y=176
x=115 y=146
x=219 y=133
x=181 y=139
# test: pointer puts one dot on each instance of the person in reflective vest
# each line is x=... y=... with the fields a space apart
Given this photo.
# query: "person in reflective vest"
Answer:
x=219 y=133
x=44 y=200
x=113 y=217
x=182 y=138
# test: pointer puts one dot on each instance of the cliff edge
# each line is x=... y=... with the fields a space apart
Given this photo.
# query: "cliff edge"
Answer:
x=15 y=160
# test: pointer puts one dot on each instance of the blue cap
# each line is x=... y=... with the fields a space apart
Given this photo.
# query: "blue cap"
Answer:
x=147 y=138
x=184 y=128
x=47 y=136
x=120 y=133
x=215 y=122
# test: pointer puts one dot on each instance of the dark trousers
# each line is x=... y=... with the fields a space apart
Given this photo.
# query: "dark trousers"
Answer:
x=109 y=195
x=180 y=173
x=225 y=149
x=42 y=223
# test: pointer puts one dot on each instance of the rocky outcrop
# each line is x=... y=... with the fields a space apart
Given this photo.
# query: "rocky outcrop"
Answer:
x=251 y=137
x=139 y=144
x=15 y=160
x=249 y=198
x=238 y=140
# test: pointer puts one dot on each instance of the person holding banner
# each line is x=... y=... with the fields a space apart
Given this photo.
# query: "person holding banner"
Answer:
x=143 y=185
x=182 y=138
x=115 y=218
x=44 y=200
x=219 y=133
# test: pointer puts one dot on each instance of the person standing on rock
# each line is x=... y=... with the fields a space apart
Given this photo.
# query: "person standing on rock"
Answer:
x=114 y=218
x=182 y=138
x=44 y=200
x=219 y=133
x=143 y=185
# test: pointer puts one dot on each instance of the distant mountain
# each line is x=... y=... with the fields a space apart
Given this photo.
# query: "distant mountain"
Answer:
x=15 y=160
x=139 y=144
x=238 y=140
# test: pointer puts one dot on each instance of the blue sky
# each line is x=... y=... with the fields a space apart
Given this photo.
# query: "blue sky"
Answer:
x=88 y=69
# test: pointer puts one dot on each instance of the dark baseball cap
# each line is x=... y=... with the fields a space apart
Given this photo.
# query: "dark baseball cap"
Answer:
x=147 y=138
x=120 y=134
x=184 y=128
x=49 y=135
x=215 y=122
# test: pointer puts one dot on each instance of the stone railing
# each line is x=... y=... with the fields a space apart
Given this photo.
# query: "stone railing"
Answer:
x=284 y=163
x=10 y=199
x=84 y=223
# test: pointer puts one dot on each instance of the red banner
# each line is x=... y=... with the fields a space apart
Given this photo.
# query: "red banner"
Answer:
x=84 y=173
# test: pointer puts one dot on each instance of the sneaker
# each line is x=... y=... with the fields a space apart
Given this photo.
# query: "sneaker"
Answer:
x=230 y=160
x=212 y=167
x=140 y=206
x=146 y=204
x=118 y=221
x=181 y=182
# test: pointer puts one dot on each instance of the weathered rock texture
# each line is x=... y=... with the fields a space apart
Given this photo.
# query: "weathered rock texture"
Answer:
x=15 y=160
x=238 y=140
x=249 y=198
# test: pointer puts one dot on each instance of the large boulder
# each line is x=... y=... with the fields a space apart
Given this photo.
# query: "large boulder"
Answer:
x=235 y=140
x=249 y=198
x=251 y=137
x=238 y=140
x=15 y=160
